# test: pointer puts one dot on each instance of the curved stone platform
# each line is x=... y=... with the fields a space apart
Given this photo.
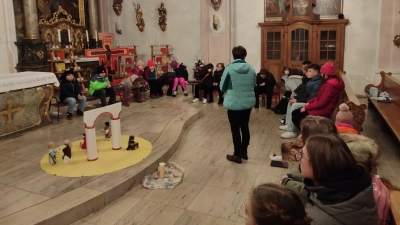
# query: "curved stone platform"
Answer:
x=74 y=204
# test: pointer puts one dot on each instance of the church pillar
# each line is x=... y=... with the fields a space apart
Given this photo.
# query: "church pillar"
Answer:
x=32 y=50
x=93 y=20
x=31 y=20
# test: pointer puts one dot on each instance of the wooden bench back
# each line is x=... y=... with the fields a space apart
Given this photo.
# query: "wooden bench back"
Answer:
x=355 y=107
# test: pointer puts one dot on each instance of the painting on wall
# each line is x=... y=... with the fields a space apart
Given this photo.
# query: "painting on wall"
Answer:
x=274 y=10
x=75 y=8
x=300 y=7
x=328 y=9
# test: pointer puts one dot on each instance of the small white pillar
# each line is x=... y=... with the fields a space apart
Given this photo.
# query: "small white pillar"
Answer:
x=116 y=134
x=91 y=144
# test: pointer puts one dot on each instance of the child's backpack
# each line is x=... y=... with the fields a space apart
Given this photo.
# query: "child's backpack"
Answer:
x=381 y=195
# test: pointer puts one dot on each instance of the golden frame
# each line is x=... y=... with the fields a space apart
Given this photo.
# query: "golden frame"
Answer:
x=55 y=18
x=396 y=41
x=325 y=15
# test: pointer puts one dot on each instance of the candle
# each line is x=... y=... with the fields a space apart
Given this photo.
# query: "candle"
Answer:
x=69 y=36
x=213 y=19
x=95 y=33
x=161 y=169
x=59 y=35
x=116 y=25
x=87 y=36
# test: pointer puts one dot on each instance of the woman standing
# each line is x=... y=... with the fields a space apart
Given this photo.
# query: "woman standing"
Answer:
x=238 y=81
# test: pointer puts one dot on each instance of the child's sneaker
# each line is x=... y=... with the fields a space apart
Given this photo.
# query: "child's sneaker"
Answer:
x=283 y=127
x=289 y=135
x=174 y=94
x=195 y=100
x=283 y=121
x=185 y=93
x=205 y=101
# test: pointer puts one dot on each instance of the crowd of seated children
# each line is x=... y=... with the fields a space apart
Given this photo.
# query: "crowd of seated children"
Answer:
x=70 y=93
x=306 y=91
x=364 y=151
x=274 y=204
x=205 y=84
x=326 y=100
x=219 y=70
x=265 y=83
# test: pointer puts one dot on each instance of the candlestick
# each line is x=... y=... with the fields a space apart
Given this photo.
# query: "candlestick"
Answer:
x=87 y=36
x=95 y=33
x=59 y=35
x=161 y=169
x=69 y=36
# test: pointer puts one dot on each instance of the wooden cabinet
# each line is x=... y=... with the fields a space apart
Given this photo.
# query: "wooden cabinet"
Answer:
x=290 y=42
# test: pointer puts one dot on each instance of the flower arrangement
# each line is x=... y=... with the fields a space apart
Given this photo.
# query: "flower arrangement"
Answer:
x=198 y=64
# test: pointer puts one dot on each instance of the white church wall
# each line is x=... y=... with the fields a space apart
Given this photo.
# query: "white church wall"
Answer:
x=247 y=32
x=8 y=58
x=362 y=42
x=183 y=28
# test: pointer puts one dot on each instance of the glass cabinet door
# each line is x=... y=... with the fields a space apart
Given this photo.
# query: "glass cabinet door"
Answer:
x=299 y=44
x=327 y=45
x=273 y=45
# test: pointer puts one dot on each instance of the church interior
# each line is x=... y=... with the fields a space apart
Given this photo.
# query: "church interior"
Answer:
x=102 y=183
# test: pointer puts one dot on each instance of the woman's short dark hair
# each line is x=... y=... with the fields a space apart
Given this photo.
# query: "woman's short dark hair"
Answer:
x=329 y=156
x=239 y=52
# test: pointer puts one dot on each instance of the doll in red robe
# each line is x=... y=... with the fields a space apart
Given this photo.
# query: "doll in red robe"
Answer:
x=83 y=145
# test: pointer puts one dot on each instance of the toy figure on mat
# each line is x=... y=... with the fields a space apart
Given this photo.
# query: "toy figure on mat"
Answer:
x=67 y=157
x=106 y=131
x=132 y=144
x=83 y=145
x=52 y=153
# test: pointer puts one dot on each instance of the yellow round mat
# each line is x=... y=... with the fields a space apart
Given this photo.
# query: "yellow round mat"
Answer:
x=109 y=160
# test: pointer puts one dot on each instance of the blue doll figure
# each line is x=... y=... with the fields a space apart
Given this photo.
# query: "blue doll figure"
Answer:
x=52 y=153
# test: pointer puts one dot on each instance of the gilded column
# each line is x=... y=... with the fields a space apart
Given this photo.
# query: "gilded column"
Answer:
x=93 y=18
x=31 y=19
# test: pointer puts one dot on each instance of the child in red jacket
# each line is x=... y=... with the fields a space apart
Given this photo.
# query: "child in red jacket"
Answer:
x=326 y=100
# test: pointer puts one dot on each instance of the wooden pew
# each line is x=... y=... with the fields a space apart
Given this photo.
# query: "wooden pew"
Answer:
x=355 y=107
x=388 y=111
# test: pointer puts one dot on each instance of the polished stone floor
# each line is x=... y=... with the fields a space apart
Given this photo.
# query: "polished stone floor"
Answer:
x=214 y=188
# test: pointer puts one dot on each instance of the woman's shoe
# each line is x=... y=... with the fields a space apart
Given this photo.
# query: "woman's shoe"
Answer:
x=69 y=116
x=234 y=158
x=79 y=112
x=244 y=155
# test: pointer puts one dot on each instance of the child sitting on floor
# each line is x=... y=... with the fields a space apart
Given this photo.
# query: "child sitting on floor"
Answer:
x=345 y=120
